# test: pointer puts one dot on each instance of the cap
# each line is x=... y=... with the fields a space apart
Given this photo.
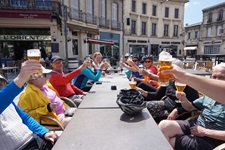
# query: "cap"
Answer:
x=54 y=58
x=135 y=57
x=127 y=54
x=2 y=78
x=46 y=71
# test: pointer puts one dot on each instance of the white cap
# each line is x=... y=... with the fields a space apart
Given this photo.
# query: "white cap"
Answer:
x=46 y=71
x=1 y=77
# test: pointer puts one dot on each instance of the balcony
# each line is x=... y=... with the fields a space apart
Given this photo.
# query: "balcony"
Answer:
x=53 y=6
x=103 y=22
x=115 y=25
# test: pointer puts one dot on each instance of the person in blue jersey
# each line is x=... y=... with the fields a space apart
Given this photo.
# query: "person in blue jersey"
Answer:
x=136 y=67
x=89 y=73
x=18 y=130
x=208 y=131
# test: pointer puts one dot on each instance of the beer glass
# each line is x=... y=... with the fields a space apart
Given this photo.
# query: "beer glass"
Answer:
x=34 y=54
x=132 y=83
x=165 y=63
x=180 y=88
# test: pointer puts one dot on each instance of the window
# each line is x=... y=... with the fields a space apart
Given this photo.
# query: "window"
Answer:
x=210 y=17
x=166 y=30
x=176 y=13
x=133 y=27
x=114 y=15
x=219 y=29
x=102 y=13
x=196 y=34
x=143 y=28
x=209 y=32
x=167 y=12
x=175 y=31
x=102 y=8
x=143 y=8
x=189 y=35
x=220 y=15
x=133 y=6
x=153 y=29
x=154 y=10
x=75 y=9
x=89 y=10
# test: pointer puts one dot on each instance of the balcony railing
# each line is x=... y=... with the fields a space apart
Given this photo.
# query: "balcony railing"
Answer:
x=31 y=5
x=103 y=22
x=90 y=18
x=116 y=25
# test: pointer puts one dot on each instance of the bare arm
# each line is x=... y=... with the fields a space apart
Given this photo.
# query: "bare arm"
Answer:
x=201 y=132
x=186 y=104
x=200 y=83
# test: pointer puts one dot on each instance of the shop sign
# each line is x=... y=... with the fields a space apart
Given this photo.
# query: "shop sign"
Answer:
x=25 y=38
x=213 y=42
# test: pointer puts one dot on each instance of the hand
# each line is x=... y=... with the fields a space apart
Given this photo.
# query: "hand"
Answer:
x=198 y=131
x=27 y=69
x=180 y=95
x=84 y=65
x=51 y=136
x=53 y=106
x=104 y=65
x=176 y=71
x=172 y=115
x=144 y=72
x=84 y=93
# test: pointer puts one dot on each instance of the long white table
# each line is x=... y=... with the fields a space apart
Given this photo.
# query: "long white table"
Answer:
x=110 y=129
x=99 y=123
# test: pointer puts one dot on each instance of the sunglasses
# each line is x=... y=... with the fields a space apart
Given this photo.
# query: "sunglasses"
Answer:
x=148 y=61
x=135 y=60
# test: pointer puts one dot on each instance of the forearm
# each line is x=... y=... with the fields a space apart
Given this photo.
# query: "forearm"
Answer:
x=215 y=134
x=205 y=86
x=187 y=105
x=153 y=76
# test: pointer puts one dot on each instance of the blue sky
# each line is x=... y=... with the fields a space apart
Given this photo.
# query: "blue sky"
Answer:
x=193 y=10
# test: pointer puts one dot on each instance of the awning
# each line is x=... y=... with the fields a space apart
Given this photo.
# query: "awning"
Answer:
x=190 y=48
x=96 y=41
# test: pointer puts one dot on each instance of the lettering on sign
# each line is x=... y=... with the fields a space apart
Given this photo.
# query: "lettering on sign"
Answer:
x=25 y=37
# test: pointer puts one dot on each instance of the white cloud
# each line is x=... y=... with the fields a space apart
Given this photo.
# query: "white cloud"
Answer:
x=186 y=5
x=196 y=3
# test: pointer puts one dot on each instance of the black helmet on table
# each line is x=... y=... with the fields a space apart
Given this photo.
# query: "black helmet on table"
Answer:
x=131 y=101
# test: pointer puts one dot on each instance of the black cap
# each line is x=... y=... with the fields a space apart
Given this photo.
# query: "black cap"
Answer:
x=54 y=58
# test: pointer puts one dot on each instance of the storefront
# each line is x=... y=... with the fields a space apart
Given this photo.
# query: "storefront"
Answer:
x=14 y=42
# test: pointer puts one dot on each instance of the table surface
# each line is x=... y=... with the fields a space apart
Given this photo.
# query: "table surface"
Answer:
x=101 y=95
x=198 y=72
x=111 y=129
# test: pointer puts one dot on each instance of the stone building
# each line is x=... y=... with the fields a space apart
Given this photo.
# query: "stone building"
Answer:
x=208 y=36
x=151 y=26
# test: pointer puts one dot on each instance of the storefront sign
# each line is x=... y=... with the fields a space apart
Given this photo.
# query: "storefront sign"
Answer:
x=25 y=38
x=25 y=14
x=213 y=42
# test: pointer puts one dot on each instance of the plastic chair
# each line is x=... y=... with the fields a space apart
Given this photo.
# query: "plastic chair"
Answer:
x=56 y=125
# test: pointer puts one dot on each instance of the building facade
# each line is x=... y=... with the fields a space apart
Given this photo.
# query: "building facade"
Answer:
x=27 y=25
x=213 y=30
x=192 y=39
x=153 y=26
x=94 y=25
x=208 y=36
x=71 y=29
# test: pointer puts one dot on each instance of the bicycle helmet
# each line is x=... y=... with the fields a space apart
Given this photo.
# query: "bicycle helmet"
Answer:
x=149 y=56
x=131 y=101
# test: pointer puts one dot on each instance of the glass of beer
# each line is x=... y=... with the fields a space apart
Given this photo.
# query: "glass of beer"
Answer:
x=34 y=54
x=165 y=63
x=180 y=88
x=132 y=83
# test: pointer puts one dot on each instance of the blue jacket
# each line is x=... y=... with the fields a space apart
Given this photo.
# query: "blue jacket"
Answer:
x=86 y=74
x=7 y=94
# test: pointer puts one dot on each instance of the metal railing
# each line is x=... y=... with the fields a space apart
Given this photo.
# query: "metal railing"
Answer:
x=31 y=5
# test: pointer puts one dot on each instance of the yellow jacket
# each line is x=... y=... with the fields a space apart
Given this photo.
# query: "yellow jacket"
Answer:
x=34 y=102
